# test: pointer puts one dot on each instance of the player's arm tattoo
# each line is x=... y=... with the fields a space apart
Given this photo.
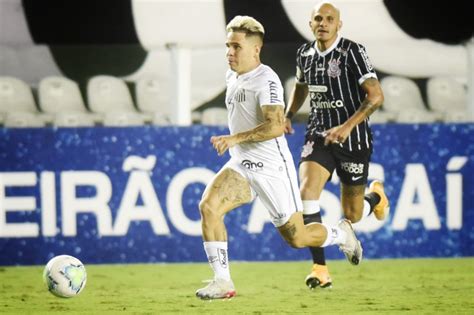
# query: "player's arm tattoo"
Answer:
x=374 y=97
x=368 y=108
x=272 y=127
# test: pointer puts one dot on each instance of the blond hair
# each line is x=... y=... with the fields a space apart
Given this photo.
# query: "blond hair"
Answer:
x=247 y=25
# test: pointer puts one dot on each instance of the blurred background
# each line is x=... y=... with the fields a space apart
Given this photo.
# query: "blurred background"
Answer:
x=107 y=107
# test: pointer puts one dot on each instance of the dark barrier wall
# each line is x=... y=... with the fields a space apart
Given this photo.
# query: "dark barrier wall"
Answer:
x=114 y=195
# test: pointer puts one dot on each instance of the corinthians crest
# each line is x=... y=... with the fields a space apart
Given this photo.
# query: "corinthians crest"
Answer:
x=333 y=68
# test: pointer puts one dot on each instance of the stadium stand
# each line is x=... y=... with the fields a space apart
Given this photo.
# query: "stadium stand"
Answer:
x=16 y=95
x=60 y=97
x=214 y=116
x=59 y=94
x=123 y=118
x=22 y=119
x=147 y=92
x=73 y=119
x=403 y=99
x=107 y=93
x=449 y=98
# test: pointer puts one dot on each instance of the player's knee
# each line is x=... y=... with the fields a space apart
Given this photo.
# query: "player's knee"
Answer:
x=353 y=214
x=207 y=209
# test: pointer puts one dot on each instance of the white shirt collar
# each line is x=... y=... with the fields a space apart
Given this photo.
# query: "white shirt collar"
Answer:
x=327 y=51
x=248 y=74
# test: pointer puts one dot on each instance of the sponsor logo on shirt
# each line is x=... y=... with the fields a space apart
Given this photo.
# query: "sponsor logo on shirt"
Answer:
x=273 y=87
x=365 y=57
x=317 y=88
x=342 y=51
x=320 y=104
x=252 y=165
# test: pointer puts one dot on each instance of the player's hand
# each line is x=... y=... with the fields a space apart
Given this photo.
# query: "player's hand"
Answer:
x=288 y=127
x=222 y=143
x=337 y=135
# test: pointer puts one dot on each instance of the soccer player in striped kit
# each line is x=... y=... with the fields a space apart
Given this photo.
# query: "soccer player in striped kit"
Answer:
x=260 y=165
x=339 y=78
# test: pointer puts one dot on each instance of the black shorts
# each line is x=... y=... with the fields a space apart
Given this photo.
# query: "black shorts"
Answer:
x=352 y=167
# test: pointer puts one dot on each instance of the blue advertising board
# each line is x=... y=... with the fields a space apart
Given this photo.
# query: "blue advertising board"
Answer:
x=123 y=195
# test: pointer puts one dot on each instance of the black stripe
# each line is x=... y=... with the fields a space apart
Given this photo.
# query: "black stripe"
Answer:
x=60 y=22
x=278 y=26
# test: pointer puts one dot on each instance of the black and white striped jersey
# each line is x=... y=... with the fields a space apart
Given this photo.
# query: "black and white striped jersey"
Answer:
x=334 y=78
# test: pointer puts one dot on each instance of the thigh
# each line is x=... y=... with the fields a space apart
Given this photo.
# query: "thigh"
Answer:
x=316 y=167
x=313 y=178
x=227 y=190
x=279 y=193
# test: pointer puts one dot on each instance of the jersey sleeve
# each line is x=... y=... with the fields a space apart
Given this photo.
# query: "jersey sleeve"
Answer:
x=299 y=67
x=270 y=90
x=360 y=64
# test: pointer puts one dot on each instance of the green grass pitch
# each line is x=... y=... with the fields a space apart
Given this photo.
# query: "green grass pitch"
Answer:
x=397 y=286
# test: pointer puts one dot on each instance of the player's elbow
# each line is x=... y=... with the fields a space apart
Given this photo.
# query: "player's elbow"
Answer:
x=278 y=129
x=376 y=99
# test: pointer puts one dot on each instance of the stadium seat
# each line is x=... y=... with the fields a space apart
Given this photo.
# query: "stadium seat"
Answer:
x=214 y=116
x=23 y=120
x=73 y=119
x=413 y=116
x=381 y=116
x=449 y=98
x=16 y=96
x=123 y=118
x=147 y=91
x=107 y=93
x=58 y=94
x=402 y=95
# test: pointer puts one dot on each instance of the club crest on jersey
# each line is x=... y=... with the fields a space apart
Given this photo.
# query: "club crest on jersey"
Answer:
x=333 y=68
x=307 y=149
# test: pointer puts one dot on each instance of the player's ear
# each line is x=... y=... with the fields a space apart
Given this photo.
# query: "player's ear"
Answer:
x=258 y=48
x=339 y=26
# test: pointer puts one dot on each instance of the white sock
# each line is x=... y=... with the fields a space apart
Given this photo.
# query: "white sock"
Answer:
x=336 y=236
x=366 y=211
x=218 y=259
x=311 y=206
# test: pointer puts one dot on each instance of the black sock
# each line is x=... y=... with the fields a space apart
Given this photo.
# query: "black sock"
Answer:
x=316 y=252
x=373 y=199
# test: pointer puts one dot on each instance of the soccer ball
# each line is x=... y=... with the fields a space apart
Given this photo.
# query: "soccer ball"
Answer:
x=65 y=276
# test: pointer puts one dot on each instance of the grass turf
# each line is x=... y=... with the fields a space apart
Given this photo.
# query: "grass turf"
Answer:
x=399 y=286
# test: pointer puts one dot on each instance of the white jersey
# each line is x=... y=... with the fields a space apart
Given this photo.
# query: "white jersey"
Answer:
x=245 y=95
x=267 y=165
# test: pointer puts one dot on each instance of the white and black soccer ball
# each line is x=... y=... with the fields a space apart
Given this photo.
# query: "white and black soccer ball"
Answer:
x=65 y=276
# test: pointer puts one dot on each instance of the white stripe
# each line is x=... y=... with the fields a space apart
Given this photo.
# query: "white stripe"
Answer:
x=366 y=76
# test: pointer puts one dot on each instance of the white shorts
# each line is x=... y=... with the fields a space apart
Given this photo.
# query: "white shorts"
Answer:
x=276 y=185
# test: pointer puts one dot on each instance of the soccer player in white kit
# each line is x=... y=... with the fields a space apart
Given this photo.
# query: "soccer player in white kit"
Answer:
x=261 y=163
